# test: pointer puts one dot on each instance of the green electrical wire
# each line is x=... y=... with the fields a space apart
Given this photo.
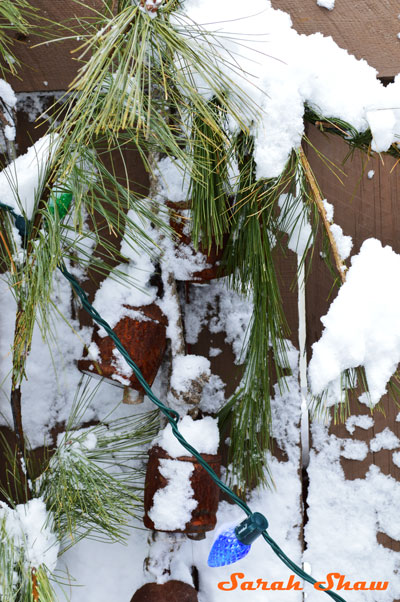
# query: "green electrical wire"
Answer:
x=173 y=418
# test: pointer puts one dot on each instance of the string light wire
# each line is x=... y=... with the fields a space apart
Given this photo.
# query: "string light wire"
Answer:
x=171 y=415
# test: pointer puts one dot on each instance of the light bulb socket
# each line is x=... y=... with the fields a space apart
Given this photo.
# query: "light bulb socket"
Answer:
x=251 y=528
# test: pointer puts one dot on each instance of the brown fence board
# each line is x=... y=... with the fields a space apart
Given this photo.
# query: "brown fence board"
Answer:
x=366 y=28
x=50 y=66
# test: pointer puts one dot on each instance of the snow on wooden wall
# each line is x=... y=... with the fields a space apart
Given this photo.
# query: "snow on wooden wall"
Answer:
x=366 y=28
x=367 y=204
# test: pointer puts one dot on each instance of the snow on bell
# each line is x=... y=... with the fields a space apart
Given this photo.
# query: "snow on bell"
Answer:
x=142 y=331
x=200 y=266
x=179 y=494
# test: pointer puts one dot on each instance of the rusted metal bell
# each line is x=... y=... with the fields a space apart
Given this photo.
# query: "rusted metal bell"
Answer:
x=213 y=256
x=205 y=491
x=172 y=591
x=145 y=340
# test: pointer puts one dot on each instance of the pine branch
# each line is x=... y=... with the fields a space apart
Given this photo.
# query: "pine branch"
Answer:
x=93 y=483
x=15 y=16
x=141 y=68
x=249 y=257
x=354 y=139
x=209 y=184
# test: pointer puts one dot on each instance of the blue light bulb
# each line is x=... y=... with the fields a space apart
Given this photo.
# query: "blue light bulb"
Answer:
x=235 y=542
x=227 y=549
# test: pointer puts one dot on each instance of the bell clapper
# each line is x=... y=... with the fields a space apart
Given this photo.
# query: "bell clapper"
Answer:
x=132 y=397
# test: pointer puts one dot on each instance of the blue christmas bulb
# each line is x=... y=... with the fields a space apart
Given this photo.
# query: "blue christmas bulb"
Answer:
x=227 y=549
x=235 y=542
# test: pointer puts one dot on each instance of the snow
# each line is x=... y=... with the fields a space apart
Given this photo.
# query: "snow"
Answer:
x=362 y=421
x=9 y=102
x=386 y=439
x=174 y=187
x=382 y=123
x=329 y=208
x=371 y=174
x=202 y=434
x=343 y=519
x=218 y=310
x=354 y=450
x=29 y=525
x=78 y=442
x=34 y=104
x=344 y=243
x=7 y=94
x=362 y=326
x=282 y=70
x=52 y=394
x=186 y=369
x=173 y=504
x=22 y=180
x=396 y=458
x=9 y=132
x=213 y=395
x=93 y=351
x=120 y=566
x=329 y=4
x=116 y=298
x=214 y=351
x=177 y=257
x=232 y=317
x=296 y=223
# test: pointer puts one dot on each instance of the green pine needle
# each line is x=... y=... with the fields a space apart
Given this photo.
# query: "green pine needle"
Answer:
x=93 y=483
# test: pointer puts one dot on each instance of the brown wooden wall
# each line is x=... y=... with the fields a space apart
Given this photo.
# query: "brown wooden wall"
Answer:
x=50 y=66
x=367 y=28
x=364 y=208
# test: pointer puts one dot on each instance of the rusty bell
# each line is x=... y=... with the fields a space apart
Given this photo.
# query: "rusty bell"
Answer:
x=205 y=491
x=213 y=255
x=144 y=339
x=171 y=591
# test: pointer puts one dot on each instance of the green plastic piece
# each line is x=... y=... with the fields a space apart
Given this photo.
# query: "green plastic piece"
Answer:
x=251 y=528
x=62 y=202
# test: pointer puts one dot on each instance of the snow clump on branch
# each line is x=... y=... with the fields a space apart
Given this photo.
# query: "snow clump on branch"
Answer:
x=281 y=71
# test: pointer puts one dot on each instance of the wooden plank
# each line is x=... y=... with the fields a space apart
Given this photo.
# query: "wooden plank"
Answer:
x=364 y=208
x=286 y=269
x=51 y=66
x=366 y=28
